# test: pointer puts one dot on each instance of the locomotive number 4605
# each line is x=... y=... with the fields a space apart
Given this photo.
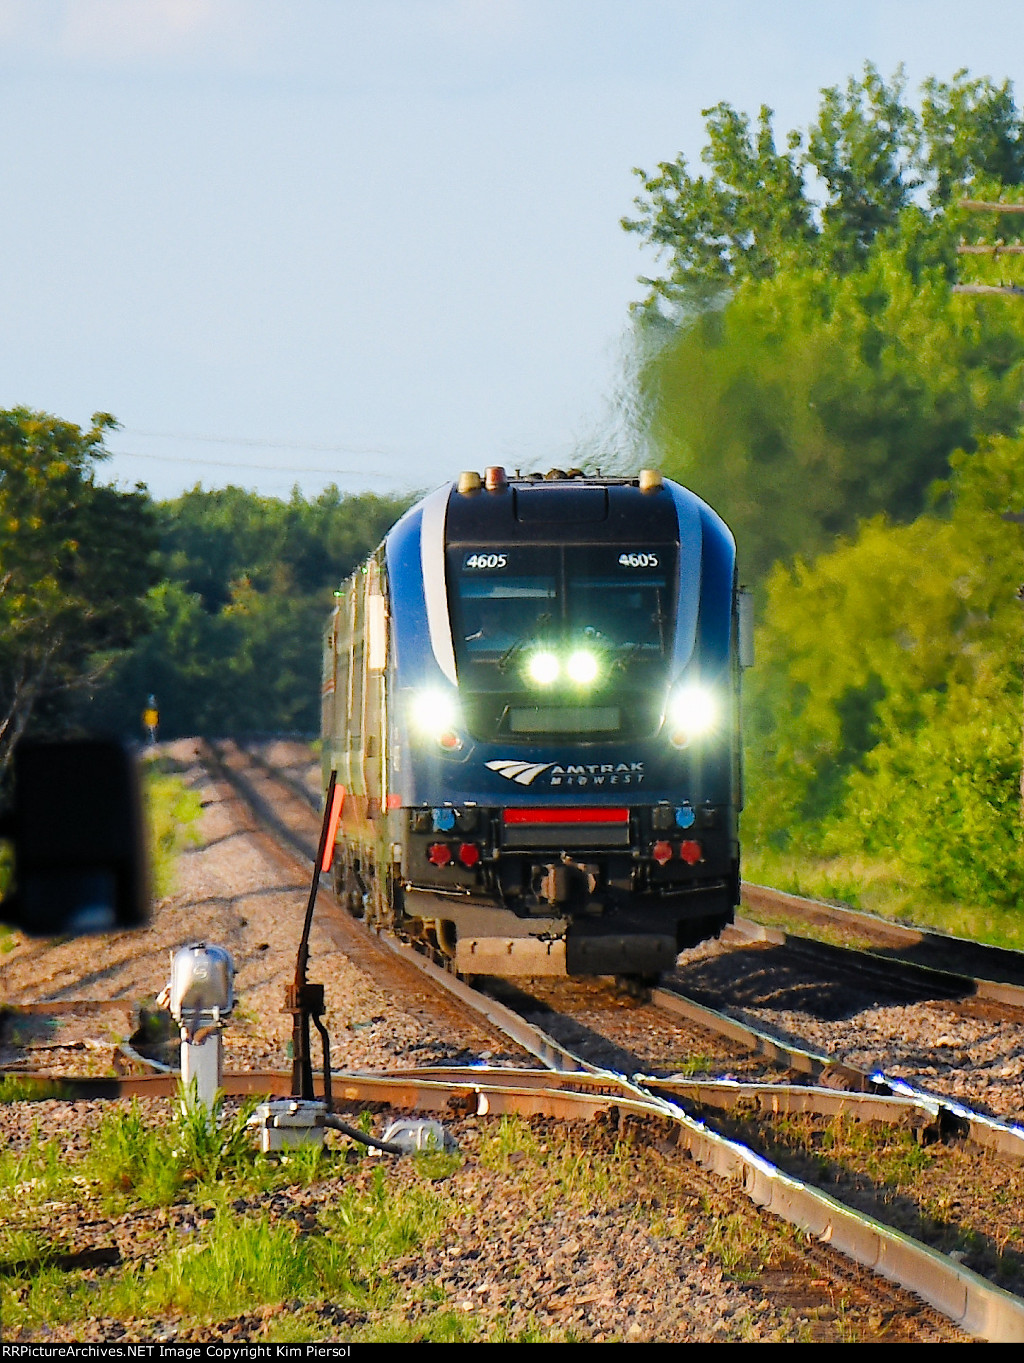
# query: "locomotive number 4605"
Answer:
x=638 y=560
x=486 y=561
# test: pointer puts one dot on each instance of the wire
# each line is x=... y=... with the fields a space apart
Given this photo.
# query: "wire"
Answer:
x=267 y=468
x=265 y=444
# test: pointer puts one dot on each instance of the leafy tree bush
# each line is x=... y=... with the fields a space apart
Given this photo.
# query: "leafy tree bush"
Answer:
x=235 y=624
x=805 y=362
x=885 y=710
x=882 y=170
x=810 y=402
x=76 y=561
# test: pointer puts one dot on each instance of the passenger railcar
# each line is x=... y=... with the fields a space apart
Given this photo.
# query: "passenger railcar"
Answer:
x=531 y=699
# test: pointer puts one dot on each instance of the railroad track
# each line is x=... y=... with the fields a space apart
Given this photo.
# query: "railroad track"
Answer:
x=976 y=963
x=573 y=1089
x=698 y=1116
x=967 y=1298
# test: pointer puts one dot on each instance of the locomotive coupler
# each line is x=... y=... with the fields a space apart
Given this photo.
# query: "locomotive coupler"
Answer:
x=565 y=880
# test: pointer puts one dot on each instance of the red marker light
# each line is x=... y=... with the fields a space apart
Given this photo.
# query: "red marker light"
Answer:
x=691 y=852
x=439 y=854
x=469 y=854
x=450 y=741
x=662 y=852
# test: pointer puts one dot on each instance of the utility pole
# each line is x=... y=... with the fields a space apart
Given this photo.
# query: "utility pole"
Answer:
x=995 y=250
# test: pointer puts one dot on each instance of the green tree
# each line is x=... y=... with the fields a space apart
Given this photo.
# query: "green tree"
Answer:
x=972 y=132
x=883 y=168
x=885 y=710
x=812 y=401
x=865 y=147
x=236 y=625
x=743 y=220
x=75 y=564
x=808 y=370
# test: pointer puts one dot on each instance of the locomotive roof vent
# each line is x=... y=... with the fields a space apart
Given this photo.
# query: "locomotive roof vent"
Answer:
x=494 y=478
x=469 y=482
x=650 y=480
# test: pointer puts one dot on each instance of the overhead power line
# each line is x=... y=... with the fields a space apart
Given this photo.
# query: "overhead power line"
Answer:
x=264 y=444
x=266 y=468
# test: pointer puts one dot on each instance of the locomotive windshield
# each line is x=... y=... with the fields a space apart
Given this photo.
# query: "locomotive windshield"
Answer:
x=562 y=638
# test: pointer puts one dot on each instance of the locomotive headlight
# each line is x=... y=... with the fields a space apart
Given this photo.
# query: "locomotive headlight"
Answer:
x=582 y=667
x=693 y=710
x=433 y=712
x=542 y=667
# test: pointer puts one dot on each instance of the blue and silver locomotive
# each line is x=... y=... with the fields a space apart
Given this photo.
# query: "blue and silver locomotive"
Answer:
x=531 y=699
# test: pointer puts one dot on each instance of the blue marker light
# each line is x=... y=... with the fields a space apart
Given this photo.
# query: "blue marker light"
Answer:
x=685 y=817
x=444 y=820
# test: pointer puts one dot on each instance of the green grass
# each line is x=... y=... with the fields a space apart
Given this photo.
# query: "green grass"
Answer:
x=873 y=887
x=574 y=1177
x=20 y=1088
x=329 y=1244
x=229 y=1260
x=733 y=1239
x=172 y=816
x=690 y=1065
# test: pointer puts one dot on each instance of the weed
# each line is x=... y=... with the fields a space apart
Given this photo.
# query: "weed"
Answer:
x=875 y=887
x=303 y=1165
x=49 y=1298
x=889 y=1156
x=511 y=1138
x=230 y=1264
x=18 y=1245
x=172 y=813
x=205 y=1143
x=128 y=1156
x=735 y=1241
x=572 y=1175
x=37 y=1172
x=846 y=1328
x=19 y=1088
x=375 y=1224
x=693 y=1064
x=437 y=1165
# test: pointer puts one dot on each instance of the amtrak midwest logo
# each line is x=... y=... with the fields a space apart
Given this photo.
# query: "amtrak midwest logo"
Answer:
x=574 y=774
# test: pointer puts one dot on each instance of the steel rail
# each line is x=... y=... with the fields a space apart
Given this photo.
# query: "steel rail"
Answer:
x=293 y=783
x=860 y=961
x=934 y=980
x=262 y=808
x=1004 y=985
x=782 y=1053
x=726 y=1095
x=1005 y=1138
x=970 y=1301
x=532 y=1039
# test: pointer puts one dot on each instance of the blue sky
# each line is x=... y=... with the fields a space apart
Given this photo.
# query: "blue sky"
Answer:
x=305 y=241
